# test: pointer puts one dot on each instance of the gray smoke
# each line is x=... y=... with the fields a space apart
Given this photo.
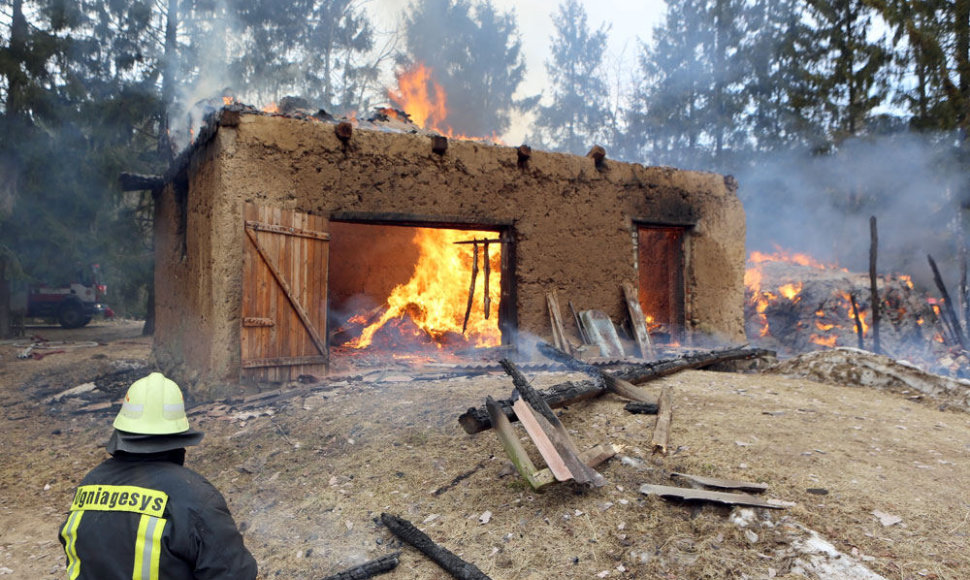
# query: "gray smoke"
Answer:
x=821 y=205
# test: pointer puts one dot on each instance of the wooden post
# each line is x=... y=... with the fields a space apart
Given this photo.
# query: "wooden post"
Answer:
x=964 y=304
x=858 y=321
x=661 y=432
x=523 y=153
x=487 y=303
x=471 y=289
x=873 y=288
x=5 y=310
x=948 y=305
x=439 y=144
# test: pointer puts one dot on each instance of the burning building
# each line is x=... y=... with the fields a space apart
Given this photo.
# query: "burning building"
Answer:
x=286 y=241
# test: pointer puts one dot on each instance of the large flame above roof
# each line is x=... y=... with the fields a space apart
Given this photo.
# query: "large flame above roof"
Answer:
x=424 y=100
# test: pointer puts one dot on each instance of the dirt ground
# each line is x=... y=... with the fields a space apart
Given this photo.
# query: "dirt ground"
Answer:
x=874 y=483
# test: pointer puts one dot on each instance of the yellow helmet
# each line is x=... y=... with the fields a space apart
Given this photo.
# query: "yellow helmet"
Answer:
x=153 y=406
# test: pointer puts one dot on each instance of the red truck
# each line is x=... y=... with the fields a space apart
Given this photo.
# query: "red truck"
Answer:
x=73 y=305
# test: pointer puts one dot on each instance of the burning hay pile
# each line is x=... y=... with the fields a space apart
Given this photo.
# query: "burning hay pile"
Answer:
x=794 y=304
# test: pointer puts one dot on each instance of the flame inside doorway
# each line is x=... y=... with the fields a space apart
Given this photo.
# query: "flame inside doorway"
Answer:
x=430 y=308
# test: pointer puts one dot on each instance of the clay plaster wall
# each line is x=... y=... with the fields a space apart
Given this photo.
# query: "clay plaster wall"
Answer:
x=197 y=313
x=573 y=224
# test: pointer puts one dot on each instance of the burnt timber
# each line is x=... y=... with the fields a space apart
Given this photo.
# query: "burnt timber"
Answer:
x=476 y=420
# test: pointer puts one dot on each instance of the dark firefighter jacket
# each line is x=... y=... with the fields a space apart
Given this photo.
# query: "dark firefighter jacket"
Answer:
x=147 y=517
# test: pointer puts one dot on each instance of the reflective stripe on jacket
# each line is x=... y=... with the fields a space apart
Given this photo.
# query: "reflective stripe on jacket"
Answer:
x=145 y=518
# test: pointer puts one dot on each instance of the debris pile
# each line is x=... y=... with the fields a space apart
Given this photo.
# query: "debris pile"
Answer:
x=801 y=307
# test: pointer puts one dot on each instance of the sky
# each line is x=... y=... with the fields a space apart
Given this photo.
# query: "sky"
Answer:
x=629 y=21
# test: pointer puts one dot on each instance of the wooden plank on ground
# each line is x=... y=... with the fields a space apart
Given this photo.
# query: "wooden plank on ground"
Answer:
x=637 y=321
x=552 y=426
x=592 y=457
x=686 y=493
x=513 y=447
x=547 y=449
x=722 y=483
x=369 y=569
x=454 y=565
x=475 y=420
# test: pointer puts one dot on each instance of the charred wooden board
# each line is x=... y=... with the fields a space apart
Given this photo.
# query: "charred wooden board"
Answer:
x=721 y=497
x=454 y=565
x=369 y=569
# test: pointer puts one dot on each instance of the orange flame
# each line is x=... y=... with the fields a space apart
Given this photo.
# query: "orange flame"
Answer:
x=435 y=298
x=781 y=255
x=424 y=100
x=829 y=341
x=761 y=299
x=791 y=291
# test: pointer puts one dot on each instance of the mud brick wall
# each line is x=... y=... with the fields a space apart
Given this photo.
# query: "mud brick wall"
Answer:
x=573 y=224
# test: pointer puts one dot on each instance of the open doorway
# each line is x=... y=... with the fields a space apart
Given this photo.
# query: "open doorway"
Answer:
x=405 y=289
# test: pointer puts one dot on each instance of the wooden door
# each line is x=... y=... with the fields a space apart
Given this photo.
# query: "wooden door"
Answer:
x=661 y=272
x=284 y=297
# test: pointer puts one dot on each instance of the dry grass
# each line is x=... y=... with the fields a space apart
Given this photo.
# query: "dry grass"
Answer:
x=308 y=479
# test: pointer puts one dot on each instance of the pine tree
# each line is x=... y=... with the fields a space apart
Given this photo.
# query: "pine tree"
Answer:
x=475 y=54
x=338 y=38
x=578 y=115
x=933 y=40
x=688 y=106
x=849 y=70
x=777 y=84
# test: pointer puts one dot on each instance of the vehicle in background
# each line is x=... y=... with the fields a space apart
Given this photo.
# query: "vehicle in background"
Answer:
x=72 y=305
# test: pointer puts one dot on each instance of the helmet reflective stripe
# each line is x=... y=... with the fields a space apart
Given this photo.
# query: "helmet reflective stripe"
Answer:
x=173 y=411
x=153 y=406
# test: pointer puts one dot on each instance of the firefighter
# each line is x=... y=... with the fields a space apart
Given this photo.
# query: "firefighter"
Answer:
x=141 y=514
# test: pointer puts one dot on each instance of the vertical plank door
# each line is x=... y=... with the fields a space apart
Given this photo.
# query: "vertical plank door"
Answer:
x=284 y=295
x=660 y=261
